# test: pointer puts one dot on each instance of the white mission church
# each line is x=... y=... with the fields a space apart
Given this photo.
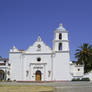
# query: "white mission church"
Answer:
x=42 y=63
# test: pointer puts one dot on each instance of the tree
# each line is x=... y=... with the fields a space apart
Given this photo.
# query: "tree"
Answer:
x=84 y=56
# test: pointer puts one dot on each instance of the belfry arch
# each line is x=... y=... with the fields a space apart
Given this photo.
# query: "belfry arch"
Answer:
x=60 y=36
x=60 y=47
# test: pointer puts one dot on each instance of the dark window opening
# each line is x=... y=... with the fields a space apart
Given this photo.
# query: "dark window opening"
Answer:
x=39 y=59
x=78 y=69
x=39 y=46
x=60 y=36
x=60 y=46
x=2 y=75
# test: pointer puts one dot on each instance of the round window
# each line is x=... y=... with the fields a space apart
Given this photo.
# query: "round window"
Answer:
x=39 y=46
x=78 y=69
x=39 y=59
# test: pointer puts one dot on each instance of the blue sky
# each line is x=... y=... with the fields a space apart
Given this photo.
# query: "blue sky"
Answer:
x=21 y=21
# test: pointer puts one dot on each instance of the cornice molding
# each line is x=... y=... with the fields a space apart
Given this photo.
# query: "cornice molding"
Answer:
x=37 y=53
x=62 y=51
x=61 y=40
x=57 y=31
x=38 y=63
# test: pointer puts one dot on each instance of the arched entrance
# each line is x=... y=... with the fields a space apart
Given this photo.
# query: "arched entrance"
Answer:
x=38 y=75
x=2 y=75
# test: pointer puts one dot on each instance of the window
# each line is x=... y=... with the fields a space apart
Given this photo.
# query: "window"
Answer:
x=78 y=69
x=9 y=64
x=60 y=46
x=60 y=36
x=38 y=59
x=38 y=47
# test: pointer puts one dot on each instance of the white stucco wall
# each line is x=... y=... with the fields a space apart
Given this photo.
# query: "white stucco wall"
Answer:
x=26 y=61
x=77 y=70
x=31 y=64
x=61 y=68
x=15 y=59
x=88 y=75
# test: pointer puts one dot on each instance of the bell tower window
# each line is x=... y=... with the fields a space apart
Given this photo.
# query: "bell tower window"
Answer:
x=60 y=36
x=60 y=47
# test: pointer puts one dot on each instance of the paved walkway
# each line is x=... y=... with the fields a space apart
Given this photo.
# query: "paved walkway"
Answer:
x=56 y=84
x=61 y=86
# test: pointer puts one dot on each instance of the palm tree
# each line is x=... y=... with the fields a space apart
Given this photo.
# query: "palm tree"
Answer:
x=84 y=56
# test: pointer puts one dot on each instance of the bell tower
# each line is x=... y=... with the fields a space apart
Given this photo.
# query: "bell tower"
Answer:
x=61 y=59
x=60 y=42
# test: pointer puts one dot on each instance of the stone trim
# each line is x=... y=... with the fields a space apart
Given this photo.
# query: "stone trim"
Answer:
x=61 y=40
x=62 y=51
x=58 y=31
x=4 y=67
x=38 y=63
x=37 y=53
x=15 y=52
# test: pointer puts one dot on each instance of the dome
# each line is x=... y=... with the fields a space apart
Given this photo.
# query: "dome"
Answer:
x=61 y=28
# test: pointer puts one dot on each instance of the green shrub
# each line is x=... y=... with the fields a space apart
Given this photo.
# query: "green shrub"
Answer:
x=78 y=79
x=85 y=79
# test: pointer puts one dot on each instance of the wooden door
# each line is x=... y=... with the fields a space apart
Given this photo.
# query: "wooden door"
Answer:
x=38 y=75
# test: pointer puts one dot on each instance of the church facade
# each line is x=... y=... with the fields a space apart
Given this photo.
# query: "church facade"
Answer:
x=40 y=62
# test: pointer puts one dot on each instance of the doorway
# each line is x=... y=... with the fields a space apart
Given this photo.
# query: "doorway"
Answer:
x=38 y=75
x=2 y=75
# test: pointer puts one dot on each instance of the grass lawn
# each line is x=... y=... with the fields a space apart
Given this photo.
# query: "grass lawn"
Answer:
x=25 y=88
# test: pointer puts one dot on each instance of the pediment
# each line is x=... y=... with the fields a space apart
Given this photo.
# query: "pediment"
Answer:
x=39 y=47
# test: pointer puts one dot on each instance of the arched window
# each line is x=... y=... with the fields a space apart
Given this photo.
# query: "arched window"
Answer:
x=60 y=36
x=60 y=46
